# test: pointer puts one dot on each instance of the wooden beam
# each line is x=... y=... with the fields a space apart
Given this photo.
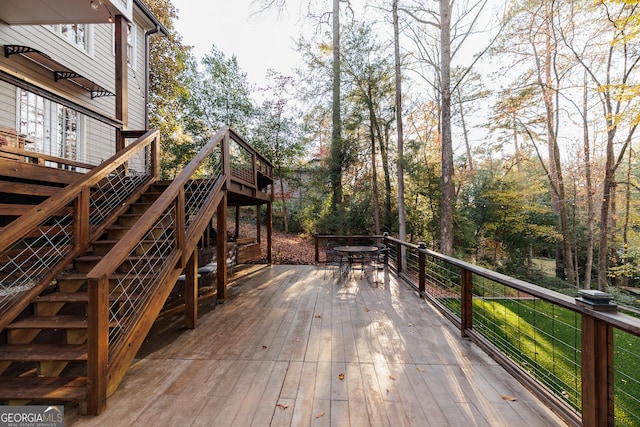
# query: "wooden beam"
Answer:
x=121 y=72
x=269 y=231
x=97 y=345
x=191 y=291
x=597 y=372
x=221 y=249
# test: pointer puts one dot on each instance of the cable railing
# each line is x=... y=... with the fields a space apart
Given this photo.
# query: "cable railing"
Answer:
x=579 y=355
x=40 y=244
x=130 y=284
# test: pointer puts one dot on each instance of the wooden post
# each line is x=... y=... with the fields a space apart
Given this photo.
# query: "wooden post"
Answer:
x=121 y=74
x=597 y=372
x=237 y=229
x=269 y=230
x=317 y=245
x=466 y=322
x=259 y=223
x=97 y=345
x=191 y=291
x=81 y=219
x=400 y=259
x=421 y=268
x=221 y=250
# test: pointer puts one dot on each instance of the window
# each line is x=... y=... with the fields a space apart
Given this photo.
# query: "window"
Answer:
x=131 y=44
x=78 y=35
x=50 y=128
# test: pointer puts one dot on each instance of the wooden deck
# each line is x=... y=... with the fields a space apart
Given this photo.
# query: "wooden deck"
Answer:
x=291 y=349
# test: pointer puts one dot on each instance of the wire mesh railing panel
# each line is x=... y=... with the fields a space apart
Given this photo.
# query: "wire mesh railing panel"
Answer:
x=542 y=338
x=626 y=378
x=443 y=283
x=135 y=281
x=29 y=259
x=198 y=189
x=411 y=268
x=240 y=161
x=118 y=186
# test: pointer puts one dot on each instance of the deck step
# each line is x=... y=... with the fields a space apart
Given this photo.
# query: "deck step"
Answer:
x=50 y=322
x=78 y=297
x=43 y=388
x=43 y=352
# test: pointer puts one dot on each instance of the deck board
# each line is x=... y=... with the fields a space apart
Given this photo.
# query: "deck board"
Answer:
x=289 y=348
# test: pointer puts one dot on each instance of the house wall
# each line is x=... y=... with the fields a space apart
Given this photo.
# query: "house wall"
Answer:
x=97 y=65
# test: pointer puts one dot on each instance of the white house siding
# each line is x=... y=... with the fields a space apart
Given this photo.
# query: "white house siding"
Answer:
x=98 y=65
x=7 y=105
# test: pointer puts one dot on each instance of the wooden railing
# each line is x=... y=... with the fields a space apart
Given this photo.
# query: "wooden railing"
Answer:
x=40 y=244
x=164 y=239
x=579 y=356
x=596 y=391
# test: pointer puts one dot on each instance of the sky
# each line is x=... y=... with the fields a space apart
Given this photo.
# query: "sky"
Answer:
x=259 y=42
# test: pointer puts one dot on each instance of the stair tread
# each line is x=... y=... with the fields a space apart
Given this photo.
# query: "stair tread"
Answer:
x=42 y=352
x=50 y=322
x=74 y=297
x=43 y=388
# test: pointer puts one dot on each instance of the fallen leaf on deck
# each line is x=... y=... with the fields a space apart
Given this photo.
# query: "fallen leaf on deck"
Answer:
x=320 y=414
x=318 y=316
x=391 y=377
x=264 y=346
x=341 y=376
x=282 y=406
x=366 y=309
x=420 y=369
x=380 y=323
x=509 y=398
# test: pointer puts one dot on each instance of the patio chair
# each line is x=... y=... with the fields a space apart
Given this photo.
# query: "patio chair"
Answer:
x=334 y=260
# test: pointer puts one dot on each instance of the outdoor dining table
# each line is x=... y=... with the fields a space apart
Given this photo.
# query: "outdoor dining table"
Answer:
x=356 y=254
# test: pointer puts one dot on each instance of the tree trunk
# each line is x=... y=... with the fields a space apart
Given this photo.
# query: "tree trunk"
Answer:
x=374 y=171
x=337 y=151
x=446 y=206
x=402 y=226
x=587 y=164
x=285 y=215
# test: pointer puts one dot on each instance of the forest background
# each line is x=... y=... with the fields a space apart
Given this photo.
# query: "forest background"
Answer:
x=497 y=132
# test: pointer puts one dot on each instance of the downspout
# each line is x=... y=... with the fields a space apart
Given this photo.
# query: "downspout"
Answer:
x=147 y=46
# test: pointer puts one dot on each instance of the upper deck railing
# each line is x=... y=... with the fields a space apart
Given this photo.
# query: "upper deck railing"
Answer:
x=580 y=357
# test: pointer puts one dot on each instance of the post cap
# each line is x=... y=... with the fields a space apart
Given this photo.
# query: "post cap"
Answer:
x=596 y=300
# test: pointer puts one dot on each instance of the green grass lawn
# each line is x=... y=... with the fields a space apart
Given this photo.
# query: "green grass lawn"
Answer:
x=544 y=339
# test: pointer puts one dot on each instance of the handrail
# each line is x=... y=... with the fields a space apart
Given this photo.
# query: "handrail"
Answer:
x=593 y=329
x=121 y=250
x=31 y=219
x=175 y=222
x=52 y=224
x=41 y=158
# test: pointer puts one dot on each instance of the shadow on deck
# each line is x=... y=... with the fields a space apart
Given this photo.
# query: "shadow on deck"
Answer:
x=290 y=348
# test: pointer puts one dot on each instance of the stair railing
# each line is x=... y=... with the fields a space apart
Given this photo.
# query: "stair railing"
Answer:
x=42 y=243
x=129 y=286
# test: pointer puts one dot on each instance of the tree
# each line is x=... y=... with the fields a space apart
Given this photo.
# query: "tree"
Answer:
x=168 y=59
x=402 y=226
x=611 y=65
x=448 y=44
x=277 y=135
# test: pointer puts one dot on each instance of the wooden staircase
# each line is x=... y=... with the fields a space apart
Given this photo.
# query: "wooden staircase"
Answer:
x=76 y=306
x=44 y=353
